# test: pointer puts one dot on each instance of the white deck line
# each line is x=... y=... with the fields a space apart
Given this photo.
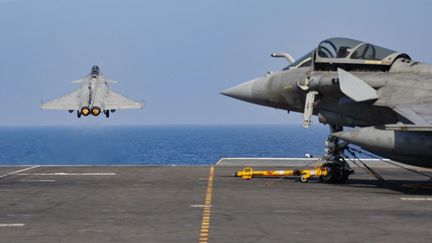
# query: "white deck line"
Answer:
x=12 y=225
x=72 y=174
x=416 y=198
x=19 y=171
x=266 y=159
x=37 y=180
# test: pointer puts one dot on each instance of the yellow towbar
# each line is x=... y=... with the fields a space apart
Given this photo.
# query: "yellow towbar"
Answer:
x=247 y=173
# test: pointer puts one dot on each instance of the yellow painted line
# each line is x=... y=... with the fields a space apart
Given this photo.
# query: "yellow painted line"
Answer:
x=205 y=222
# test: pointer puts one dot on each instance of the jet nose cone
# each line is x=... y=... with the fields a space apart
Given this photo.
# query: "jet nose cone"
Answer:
x=242 y=91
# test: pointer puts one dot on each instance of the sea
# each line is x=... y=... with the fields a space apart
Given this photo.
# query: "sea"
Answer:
x=155 y=145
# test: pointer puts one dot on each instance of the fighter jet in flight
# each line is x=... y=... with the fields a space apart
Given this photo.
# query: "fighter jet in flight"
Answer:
x=384 y=94
x=93 y=97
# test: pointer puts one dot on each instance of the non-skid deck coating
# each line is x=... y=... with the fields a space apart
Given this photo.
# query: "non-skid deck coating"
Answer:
x=167 y=204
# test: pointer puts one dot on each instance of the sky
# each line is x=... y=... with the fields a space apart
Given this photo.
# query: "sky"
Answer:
x=178 y=55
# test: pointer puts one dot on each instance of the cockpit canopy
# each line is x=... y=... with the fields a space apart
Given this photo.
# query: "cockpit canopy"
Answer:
x=95 y=71
x=346 y=53
x=351 y=50
x=304 y=61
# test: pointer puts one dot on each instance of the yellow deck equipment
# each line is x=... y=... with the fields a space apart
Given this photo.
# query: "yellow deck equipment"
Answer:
x=305 y=174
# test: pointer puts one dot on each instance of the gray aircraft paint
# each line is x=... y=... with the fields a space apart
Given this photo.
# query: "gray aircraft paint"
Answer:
x=380 y=88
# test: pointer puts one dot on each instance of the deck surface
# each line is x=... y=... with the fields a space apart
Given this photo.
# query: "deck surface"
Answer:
x=166 y=204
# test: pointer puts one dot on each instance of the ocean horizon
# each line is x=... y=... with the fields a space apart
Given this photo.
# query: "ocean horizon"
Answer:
x=154 y=144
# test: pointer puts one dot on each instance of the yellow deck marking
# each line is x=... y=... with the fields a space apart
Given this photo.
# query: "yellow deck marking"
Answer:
x=205 y=222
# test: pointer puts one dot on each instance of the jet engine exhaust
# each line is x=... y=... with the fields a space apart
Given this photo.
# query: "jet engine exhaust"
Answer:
x=85 y=111
x=96 y=111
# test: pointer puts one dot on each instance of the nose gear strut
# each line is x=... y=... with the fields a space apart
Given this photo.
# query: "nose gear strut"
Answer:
x=334 y=161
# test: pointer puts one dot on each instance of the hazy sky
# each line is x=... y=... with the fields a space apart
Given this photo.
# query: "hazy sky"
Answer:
x=178 y=55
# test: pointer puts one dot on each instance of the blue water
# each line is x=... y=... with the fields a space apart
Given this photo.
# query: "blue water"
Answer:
x=155 y=145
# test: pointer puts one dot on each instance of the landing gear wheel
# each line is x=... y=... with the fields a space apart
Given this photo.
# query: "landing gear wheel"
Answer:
x=107 y=114
x=303 y=179
x=336 y=175
x=78 y=114
x=334 y=161
x=331 y=176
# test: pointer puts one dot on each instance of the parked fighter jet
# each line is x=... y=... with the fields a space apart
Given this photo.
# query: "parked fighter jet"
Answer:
x=93 y=97
x=384 y=94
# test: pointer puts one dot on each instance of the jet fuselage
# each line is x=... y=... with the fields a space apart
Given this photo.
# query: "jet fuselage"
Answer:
x=93 y=90
x=403 y=91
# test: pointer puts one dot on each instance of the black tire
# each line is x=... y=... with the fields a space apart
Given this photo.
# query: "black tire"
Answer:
x=336 y=175
x=344 y=178
x=330 y=177
x=78 y=114
x=107 y=114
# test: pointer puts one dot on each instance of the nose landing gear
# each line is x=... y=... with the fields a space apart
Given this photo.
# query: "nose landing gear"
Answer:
x=339 y=170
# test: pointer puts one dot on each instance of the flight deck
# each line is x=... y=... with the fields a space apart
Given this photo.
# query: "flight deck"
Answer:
x=206 y=204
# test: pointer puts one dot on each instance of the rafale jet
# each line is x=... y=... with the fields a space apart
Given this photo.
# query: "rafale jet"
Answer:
x=93 y=97
x=384 y=94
